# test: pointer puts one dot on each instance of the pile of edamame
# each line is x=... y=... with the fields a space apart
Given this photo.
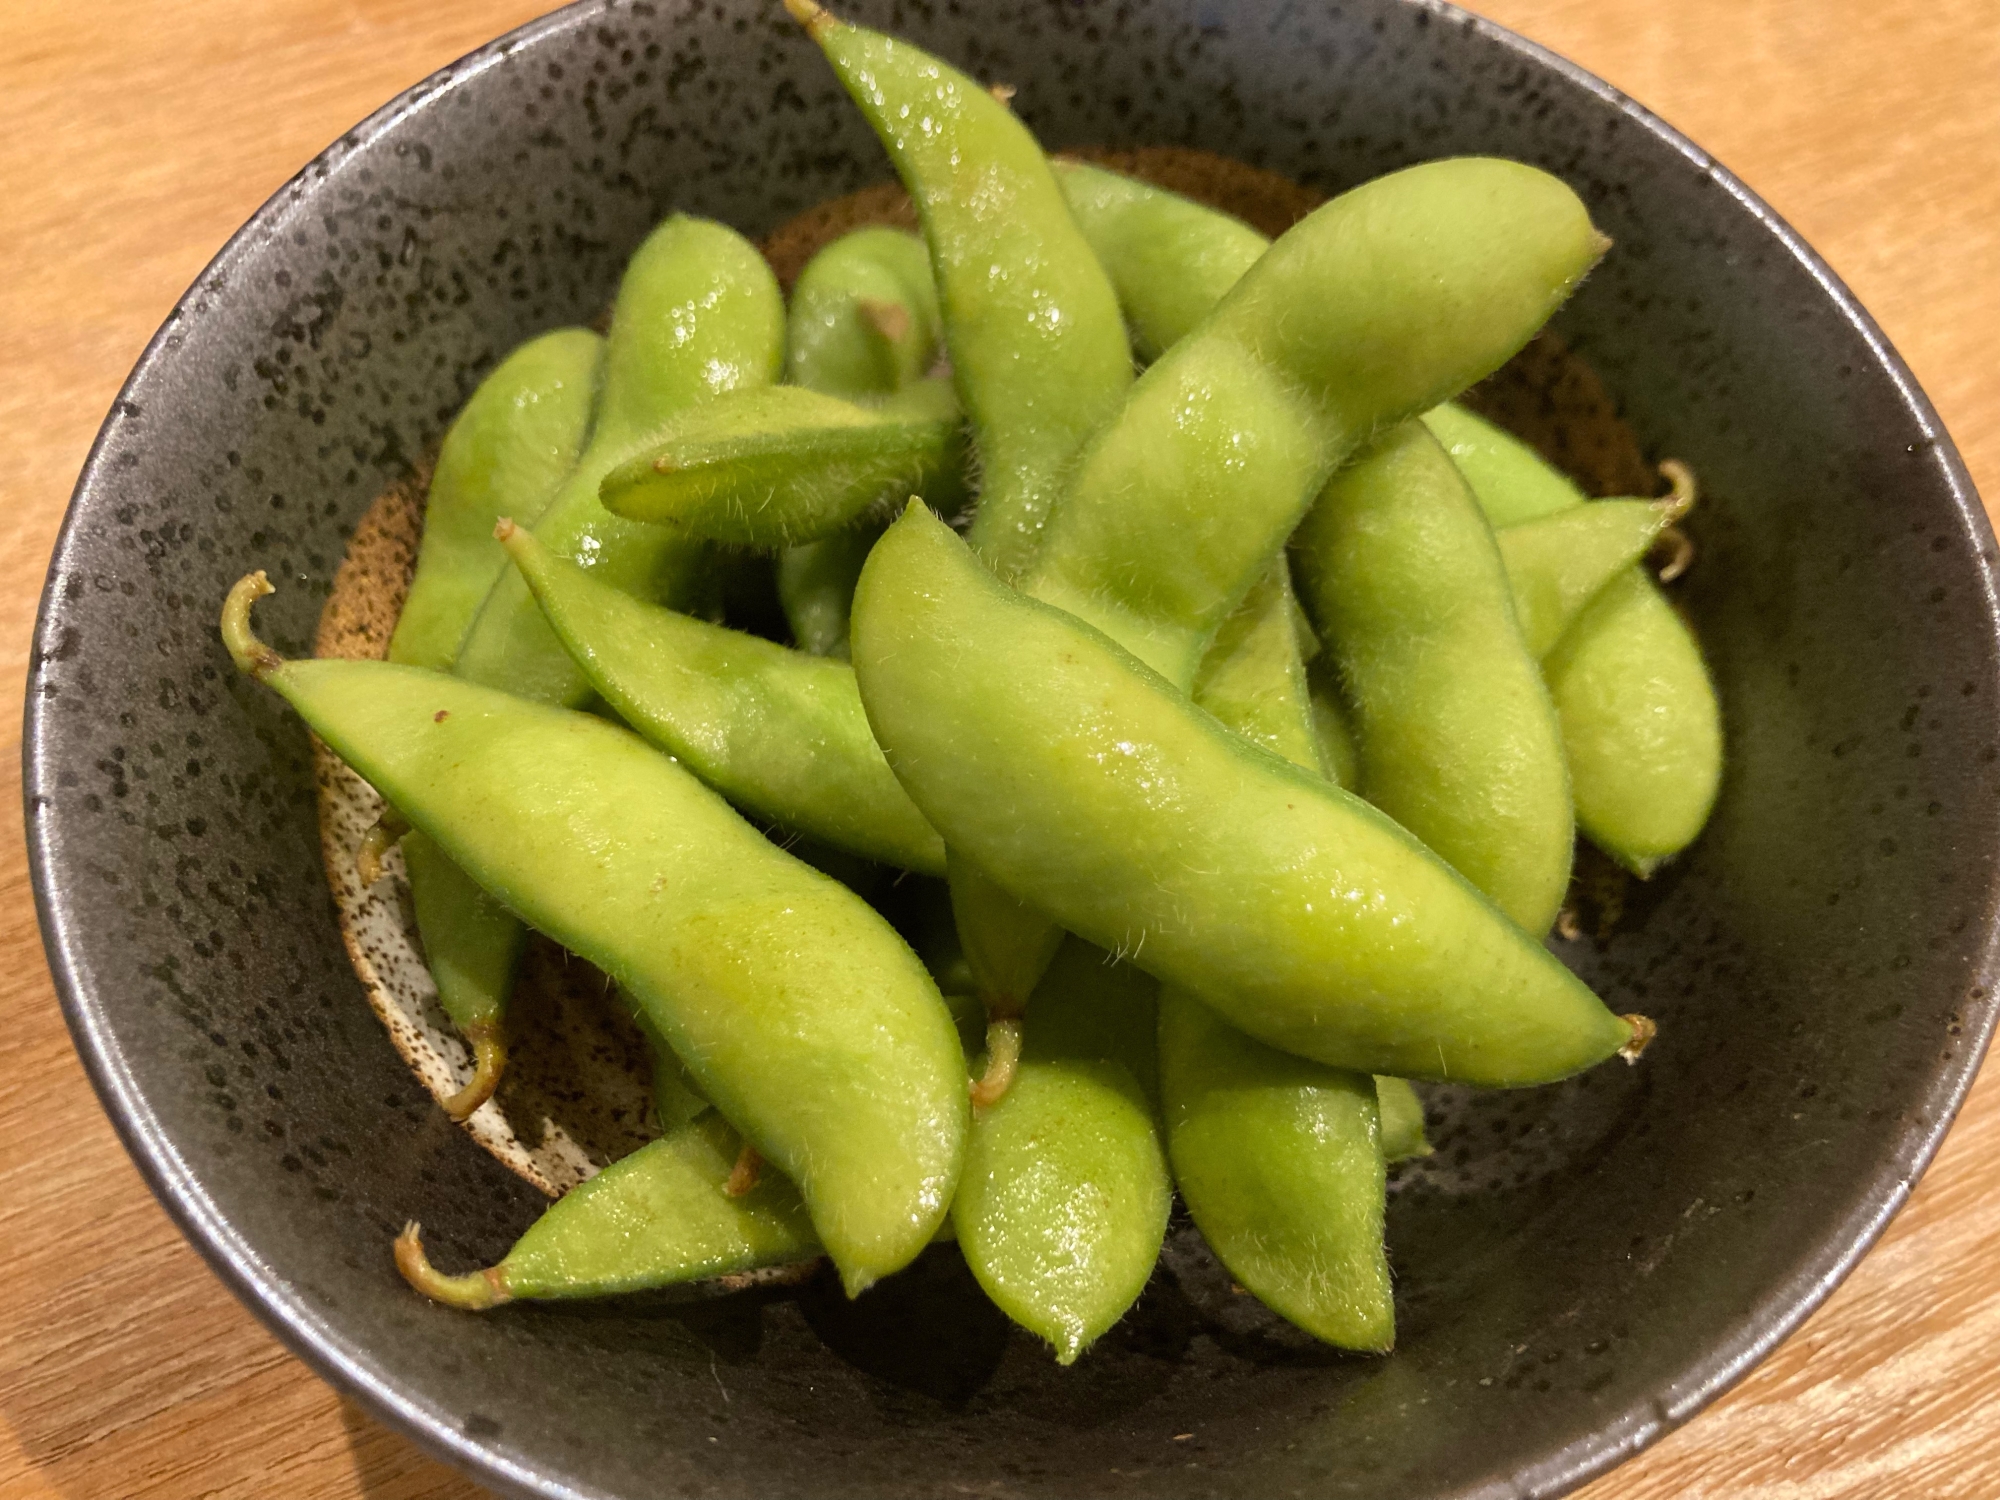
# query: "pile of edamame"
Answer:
x=1231 y=723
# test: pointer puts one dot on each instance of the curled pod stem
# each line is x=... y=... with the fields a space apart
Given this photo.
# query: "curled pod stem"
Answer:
x=489 y=1061
x=475 y=1291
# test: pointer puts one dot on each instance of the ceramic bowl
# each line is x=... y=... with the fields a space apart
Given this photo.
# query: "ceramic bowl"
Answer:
x=1578 y=1269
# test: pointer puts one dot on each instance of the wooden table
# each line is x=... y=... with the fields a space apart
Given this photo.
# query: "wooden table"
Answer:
x=134 y=136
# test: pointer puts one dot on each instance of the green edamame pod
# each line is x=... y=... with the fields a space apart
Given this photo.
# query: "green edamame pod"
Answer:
x=1300 y=1253
x=1008 y=946
x=472 y=945
x=1640 y=720
x=863 y=324
x=698 y=314
x=1169 y=258
x=1371 y=309
x=1252 y=678
x=816 y=588
x=507 y=453
x=677 y=1098
x=659 y=1217
x=1337 y=753
x=1556 y=565
x=774 y=730
x=1286 y=1156
x=1513 y=482
x=864 y=317
x=1402 y=1120
x=1063 y=1204
x=1641 y=724
x=1457 y=736
x=799 y=1011
x=781 y=464
x=1038 y=350
x=1066 y=769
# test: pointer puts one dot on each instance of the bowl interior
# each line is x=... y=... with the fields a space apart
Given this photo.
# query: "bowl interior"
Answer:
x=1578 y=1268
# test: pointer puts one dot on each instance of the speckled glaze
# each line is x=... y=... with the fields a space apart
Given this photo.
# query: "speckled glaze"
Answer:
x=1579 y=1269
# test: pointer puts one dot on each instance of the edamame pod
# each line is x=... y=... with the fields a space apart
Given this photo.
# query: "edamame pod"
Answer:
x=816 y=589
x=659 y=1217
x=1068 y=770
x=863 y=324
x=1556 y=565
x=1308 y=1248
x=1640 y=720
x=798 y=1010
x=1641 y=724
x=1457 y=736
x=1513 y=482
x=1252 y=678
x=781 y=464
x=677 y=1098
x=774 y=730
x=1371 y=309
x=698 y=314
x=1063 y=1204
x=864 y=317
x=472 y=946
x=1402 y=1120
x=1286 y=1158
x=507 y=453
x=1337 y=754
x=1169 y=258
x=1038 y=350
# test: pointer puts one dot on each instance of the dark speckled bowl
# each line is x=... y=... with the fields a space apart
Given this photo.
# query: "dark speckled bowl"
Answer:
x=1580 y=1268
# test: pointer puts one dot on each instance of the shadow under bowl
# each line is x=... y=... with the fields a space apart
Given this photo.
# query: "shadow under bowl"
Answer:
x=1579 y=1269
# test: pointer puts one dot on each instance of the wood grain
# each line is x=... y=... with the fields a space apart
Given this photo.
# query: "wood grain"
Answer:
x=135 y=136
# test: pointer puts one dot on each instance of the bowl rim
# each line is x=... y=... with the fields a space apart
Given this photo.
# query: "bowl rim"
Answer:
x=314 y=1339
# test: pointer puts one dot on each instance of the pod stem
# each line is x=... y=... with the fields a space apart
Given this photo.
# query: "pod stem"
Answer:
x=1003 y=1060
x=743 y=1176
x=249 y=653
x=489 y=1061
x=475 y=1291
x=814 y=17
x=375 y=843
x=1644 y=1029
x=1682 y=491
x=1675 y=543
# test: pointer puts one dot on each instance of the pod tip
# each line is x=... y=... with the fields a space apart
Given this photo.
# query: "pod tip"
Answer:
x=1644 y=1029
x=1600 y=242
x=489 y=1061
x=474 y=1292
x=249 y=653
x=504 y=529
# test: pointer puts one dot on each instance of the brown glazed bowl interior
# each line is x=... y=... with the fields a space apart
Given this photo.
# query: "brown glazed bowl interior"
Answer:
x=1578 y=1268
